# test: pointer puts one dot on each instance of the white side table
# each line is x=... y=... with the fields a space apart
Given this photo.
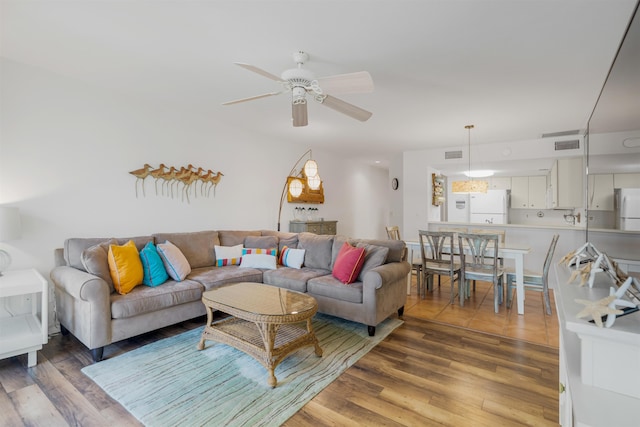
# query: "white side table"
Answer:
x=26 y=332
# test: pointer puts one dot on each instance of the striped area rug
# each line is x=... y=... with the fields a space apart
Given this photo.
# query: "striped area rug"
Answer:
x=170 y=382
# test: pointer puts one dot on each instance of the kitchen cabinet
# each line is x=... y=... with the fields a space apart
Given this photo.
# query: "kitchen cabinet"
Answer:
x=566 y=183
x=600 y=192
x=500 y=183
x=528 y=192
x=317 y=227
x=626 y=180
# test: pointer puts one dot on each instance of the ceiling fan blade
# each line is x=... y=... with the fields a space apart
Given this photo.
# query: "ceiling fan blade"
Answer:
x=251 y=98
x=299 y=114
x=359 y=82
x=259 y=71
x=346 y=108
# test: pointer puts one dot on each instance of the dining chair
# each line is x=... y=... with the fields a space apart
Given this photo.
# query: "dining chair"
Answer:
x=436 y=248
x=393 y=233
x=533 y=280
x=479 y=261
x=501 y=233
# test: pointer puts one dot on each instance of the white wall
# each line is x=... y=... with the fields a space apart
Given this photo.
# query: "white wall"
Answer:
x=66 y=150
x=395 y=214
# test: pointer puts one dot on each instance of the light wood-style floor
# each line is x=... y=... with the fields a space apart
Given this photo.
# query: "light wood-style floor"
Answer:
x=438 y=368
x=478 y=313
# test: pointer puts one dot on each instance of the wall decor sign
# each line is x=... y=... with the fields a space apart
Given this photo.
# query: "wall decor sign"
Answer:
x=170 y=177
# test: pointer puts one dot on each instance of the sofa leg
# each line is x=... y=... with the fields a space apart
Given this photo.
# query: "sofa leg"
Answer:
x=401 y=311
x=371 y=330
x=96 y=353
x=64 y=331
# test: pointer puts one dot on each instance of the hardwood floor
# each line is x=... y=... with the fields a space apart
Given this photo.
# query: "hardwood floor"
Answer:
x=478 y=313
x=433 y=370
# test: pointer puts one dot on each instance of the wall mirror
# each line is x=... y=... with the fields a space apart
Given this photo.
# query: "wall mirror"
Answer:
x=613 y=136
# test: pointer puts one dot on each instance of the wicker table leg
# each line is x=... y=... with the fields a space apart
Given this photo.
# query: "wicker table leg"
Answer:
x=208 y=325
x=315 y=340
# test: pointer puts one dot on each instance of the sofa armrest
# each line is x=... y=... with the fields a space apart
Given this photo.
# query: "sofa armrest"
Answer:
x=83 y=305
x=386 y=273
x=80 y=284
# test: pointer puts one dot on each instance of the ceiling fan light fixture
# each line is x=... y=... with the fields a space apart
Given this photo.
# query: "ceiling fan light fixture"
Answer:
x=300 y=81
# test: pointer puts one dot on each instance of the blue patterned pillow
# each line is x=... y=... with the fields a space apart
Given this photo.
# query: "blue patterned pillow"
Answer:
x=152 y=265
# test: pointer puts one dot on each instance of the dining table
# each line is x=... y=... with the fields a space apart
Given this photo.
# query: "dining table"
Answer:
x=512 y=251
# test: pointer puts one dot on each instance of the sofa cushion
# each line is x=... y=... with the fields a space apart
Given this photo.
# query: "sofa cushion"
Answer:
x=266 y=251
x=396 y=247
x=125 y=267
x=139 y=241
x=348 y=263
x=211 y=277
x=228 y=255
x=258 y=261
x=318 y=250
x=235 y=237
x=284 y=238
x=374 y=257
x=330 y=287
x=74 y=247
x=292 y=278
x=145 y=299
x=197 y=247
x=338 y=242
x=261 y=242
x=152 y=265
x=95 y=261
x=290 y=257
x=174 y=261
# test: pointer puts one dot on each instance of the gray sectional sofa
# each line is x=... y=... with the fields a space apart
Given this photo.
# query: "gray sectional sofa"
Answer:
x=88 y=307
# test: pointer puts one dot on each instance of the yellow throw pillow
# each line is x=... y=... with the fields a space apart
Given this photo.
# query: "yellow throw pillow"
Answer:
x=125 y=267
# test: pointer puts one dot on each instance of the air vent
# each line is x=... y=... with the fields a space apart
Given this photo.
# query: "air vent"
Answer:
x=563 y=133
x=453 y=154
x=573 y=144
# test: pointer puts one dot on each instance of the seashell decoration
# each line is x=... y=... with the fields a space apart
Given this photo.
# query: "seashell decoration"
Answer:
x=171 y=177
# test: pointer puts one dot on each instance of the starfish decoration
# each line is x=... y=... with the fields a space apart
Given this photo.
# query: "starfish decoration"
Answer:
x=583 y=272
x=618 y=293
x=597 y=309
x=565 y=259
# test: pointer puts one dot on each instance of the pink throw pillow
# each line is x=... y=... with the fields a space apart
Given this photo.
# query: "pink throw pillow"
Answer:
x=348 y=263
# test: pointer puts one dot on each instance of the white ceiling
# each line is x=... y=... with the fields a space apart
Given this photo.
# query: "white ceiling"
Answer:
x=514 y=68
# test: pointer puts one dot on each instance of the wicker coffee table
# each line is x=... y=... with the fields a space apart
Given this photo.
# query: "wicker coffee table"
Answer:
x=266 y=322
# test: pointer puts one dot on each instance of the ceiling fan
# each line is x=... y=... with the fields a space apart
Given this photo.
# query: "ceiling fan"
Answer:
x=300 y=82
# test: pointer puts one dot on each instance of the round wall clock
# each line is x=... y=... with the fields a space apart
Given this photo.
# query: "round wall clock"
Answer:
x=394 y=183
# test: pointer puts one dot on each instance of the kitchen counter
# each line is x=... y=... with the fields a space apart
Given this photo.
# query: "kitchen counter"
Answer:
x=617 y=243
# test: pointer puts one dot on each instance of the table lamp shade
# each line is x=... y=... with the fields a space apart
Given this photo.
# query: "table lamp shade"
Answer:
x=10 y=227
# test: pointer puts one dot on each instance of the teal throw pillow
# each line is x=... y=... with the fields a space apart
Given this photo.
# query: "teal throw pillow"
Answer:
x=152 y=265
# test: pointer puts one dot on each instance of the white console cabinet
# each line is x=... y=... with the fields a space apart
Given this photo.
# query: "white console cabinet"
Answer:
x=599 y=367
x=23 y=332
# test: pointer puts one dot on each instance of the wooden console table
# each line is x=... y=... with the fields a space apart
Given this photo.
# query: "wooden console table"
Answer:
x=317 y=227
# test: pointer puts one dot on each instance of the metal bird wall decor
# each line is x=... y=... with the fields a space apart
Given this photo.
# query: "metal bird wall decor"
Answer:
x=170 y=176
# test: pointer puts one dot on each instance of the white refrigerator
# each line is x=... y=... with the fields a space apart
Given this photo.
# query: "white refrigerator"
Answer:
x=491 y=207
x=627 y=208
